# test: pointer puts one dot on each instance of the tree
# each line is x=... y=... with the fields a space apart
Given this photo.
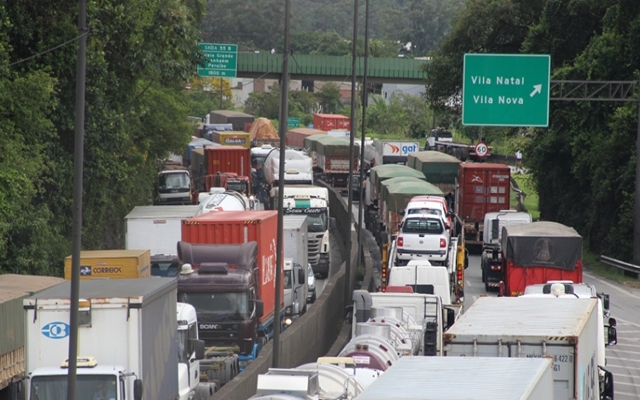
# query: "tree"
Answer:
x=329 y=98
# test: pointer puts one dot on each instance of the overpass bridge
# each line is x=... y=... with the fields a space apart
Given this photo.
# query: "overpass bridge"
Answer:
x=331 y=68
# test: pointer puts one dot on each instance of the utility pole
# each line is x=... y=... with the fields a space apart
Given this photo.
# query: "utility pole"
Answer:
x=282 y=131
x=78 y=160
x=354 y=125
x=365 y=97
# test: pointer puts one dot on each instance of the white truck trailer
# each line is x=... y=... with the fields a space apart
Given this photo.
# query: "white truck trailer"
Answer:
x=127 y=342
x=532 y=327
x=295 y=237
x=158 y=229
x=478 y=378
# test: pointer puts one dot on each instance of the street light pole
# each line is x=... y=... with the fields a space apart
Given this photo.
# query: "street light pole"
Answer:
x=354 y=123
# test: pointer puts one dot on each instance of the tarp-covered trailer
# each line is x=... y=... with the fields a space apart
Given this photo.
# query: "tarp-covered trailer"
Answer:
x=537 y=253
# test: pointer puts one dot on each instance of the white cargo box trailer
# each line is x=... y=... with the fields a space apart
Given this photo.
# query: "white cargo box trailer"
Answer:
x=524 y=327
x=127 y=331
x=157 y=228
x=477 y=378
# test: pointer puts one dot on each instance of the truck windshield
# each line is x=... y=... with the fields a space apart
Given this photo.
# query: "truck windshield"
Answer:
x=317 y=222
x=224 y=305
x=87 y=387
x=174 y=181
x=287 y=279
x=238 y=186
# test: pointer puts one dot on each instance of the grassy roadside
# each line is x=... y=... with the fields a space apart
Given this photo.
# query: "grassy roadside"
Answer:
x=592 y=263
x=531 y=201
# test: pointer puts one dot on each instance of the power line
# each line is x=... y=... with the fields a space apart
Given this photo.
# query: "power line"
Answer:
x=49 y=50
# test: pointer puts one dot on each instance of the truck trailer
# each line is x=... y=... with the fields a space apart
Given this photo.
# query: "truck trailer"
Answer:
x=531 y=327
x=478 y=378
x=111 y=264
x=296 y=269
x=13 y=289
x=127 y=340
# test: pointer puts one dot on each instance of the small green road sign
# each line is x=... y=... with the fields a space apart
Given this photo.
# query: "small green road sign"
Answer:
x=506 y=90
x=222 y=60
x=293 y=122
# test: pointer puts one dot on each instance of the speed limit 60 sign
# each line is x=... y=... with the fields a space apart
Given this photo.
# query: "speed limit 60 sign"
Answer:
x=481 y=149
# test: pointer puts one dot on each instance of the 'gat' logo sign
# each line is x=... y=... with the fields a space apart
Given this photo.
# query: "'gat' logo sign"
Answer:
x=56 y=330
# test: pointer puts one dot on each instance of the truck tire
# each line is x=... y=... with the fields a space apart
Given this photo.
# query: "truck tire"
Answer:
x=483 y=263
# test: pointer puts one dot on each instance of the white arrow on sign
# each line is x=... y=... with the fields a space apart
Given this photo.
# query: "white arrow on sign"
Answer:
x=536 y=89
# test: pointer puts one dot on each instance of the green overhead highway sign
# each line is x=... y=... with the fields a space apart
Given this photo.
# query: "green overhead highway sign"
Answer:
x=506 y=90
x=293 y=122
x=222 y=60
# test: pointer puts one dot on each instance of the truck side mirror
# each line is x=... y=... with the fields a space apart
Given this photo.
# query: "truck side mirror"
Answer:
x=301 y=276
x=259 y=308
x=137 y=389
x=451 y=316
x=605 y=300
x=612 y=335
x=332 y=223
x=198 y=347
x=495 y=228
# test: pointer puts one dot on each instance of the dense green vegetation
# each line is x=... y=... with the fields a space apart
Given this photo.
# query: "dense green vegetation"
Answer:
x=583 y=164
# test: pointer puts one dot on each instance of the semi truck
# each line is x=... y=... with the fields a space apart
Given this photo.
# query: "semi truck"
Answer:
x=491 y=259
x=313 y=202
x=442 y=140
x=333 y=157
x=478 y=378
x=295 y=137
x=111 y=264
x=128 y=342
x=13 y=289
x=244 y=274
x=524 y=327
x=327 y=122
x=296 y=268
x=174 y=185
x=393 y=152
x=158 y=229
x=223 y=166
x=235 y=118
x=482 y=188
x=438 y=168
x=538 y=252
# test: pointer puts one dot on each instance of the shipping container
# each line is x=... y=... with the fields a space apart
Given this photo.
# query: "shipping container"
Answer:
x=483 y=188
x=237 y=227
x=157 y=228
x=237 y=119
x=13 y=289
x=194 y=144
x=112 y=264
x=228 y=159
x=295 y=137
x=328 y=122
x=232 y=138
x=532 y=327
x=439 y=168
x=477 y=378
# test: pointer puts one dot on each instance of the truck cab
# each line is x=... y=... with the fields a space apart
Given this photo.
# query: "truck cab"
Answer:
x=491 y=259
x=295 y=290
x=174 y=186
x=221 y=281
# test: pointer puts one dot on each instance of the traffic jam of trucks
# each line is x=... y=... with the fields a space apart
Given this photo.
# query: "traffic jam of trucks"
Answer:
x=211 y=234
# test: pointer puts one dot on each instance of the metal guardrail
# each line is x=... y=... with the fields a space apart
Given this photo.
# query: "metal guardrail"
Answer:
x=620 y=264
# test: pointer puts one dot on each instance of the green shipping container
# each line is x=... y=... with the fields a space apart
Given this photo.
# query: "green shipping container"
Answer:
x=437 y=167
x=311 y=142
x=387 y=171
x=397 y=192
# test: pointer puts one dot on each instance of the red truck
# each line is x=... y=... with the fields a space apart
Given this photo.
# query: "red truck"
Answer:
x=251 y=281
x=329 y=122
x=224 y=166
x=483 y=188
x=539 y=252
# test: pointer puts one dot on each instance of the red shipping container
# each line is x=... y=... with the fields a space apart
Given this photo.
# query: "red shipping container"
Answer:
x=237 y=227
x=483 y=188
x=328 y=122
x=518 y=278
x=228 y=159
x=295 y=137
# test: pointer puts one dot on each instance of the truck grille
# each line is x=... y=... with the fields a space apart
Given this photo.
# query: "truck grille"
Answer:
x=313 y=246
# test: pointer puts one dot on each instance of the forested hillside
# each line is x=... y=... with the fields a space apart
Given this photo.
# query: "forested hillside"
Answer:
x=258 y=25
x=583 y=164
